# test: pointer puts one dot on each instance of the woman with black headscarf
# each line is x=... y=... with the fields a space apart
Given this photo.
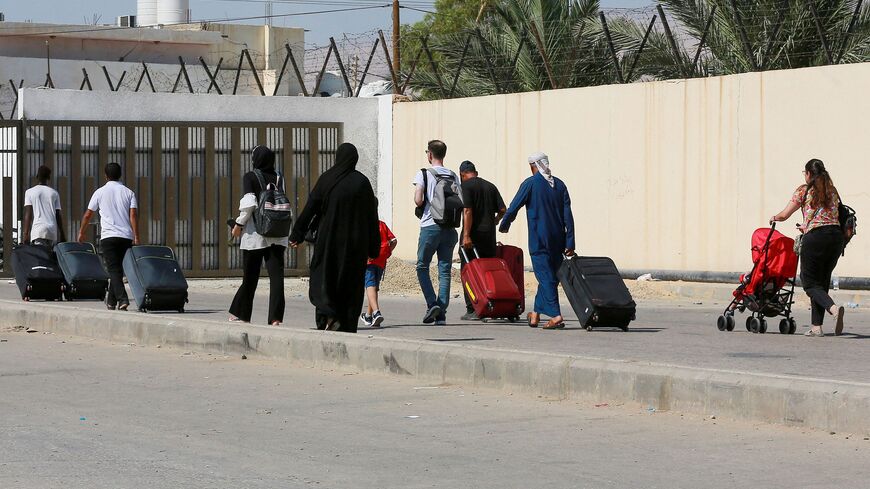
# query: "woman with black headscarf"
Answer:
x=257 y=248
x=343 y=206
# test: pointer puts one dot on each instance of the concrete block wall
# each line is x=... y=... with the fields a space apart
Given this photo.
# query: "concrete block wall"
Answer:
x=672 y=175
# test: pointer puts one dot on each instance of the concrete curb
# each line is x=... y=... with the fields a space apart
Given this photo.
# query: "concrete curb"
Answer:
x=811 y=403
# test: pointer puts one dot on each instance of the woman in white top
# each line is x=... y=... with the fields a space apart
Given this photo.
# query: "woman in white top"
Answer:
x=256 y=248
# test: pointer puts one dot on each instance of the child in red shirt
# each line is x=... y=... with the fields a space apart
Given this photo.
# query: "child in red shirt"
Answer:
x=374 y=274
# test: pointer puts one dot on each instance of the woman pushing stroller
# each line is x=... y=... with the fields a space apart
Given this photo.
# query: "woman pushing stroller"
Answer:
x=821 y=244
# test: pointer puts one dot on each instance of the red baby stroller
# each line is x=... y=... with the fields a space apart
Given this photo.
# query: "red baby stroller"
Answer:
x=768 y=290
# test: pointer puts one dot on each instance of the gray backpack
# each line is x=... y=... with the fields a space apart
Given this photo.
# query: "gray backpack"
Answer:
x=446 y=205
x=273 y=217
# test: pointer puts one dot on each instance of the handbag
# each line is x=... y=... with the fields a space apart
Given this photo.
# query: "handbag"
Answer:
x=798 y=241
x=312 y=232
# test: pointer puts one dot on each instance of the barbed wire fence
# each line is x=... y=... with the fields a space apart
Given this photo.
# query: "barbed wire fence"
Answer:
x=355 y=59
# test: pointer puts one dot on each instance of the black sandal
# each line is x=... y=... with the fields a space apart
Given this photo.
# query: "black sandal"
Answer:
x=559 y=325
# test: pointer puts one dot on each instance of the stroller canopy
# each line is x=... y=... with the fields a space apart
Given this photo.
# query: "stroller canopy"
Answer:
x=781 y=260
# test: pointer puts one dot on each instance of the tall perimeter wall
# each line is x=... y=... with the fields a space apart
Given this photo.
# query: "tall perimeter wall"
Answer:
x=668 y=175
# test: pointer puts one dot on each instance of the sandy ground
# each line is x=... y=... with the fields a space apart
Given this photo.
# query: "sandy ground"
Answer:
x=400 y=280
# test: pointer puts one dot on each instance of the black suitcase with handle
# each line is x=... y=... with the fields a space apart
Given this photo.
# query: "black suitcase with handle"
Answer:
x=83 y=271
x=37 y=273
x=597 y=292
x=155 y=278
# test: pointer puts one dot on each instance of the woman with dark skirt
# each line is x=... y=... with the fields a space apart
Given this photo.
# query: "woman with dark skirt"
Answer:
x=257 y=249
x=342 y=205
x=822 y=242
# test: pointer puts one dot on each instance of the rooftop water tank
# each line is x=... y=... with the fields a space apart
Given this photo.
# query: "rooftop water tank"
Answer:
x=146 y=12
x=173 y=11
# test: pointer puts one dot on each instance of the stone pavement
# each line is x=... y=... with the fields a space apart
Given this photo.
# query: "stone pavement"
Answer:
x=81 y=414
x=672 y=359
x=676 y=331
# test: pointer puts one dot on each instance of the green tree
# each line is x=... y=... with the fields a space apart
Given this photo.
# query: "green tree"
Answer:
x=519 y=45
x=757 y=35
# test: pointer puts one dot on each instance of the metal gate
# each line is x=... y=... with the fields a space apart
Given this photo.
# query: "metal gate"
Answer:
x=187 y=178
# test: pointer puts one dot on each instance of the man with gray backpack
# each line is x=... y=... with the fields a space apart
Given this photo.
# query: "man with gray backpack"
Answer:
x=438 y=197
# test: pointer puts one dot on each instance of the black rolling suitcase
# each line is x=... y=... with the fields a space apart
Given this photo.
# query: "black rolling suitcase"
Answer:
x=155 y=278
x=82 y=270
x=597 y=292
x=37 y=273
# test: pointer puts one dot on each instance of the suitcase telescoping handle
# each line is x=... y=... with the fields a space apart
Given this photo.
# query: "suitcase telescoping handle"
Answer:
x=465 y=253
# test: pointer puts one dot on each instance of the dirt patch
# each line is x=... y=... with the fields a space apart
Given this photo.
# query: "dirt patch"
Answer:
x=400 y=278
x=650 y=290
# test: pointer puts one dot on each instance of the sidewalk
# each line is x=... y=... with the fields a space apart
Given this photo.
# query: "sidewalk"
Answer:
x=673 y=345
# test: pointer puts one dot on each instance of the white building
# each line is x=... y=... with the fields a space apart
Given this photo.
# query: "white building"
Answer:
x=30 y=52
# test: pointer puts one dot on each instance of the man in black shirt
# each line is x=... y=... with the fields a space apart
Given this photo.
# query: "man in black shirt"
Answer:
x=484 y=207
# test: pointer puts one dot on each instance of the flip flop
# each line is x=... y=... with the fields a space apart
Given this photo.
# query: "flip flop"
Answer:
x=559 y=325
x=838 y=330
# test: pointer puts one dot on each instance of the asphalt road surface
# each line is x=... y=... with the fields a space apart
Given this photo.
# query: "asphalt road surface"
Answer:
x=675 y=332
x=78 y=413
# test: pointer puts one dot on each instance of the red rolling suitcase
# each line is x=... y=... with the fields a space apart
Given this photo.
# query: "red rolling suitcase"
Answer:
x=491 y=288
x=513 y=257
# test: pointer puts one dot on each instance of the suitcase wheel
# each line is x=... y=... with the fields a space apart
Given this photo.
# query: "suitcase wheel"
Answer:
x=143 y=310
x=588 y=327
x=512 y=319
x=624 y=329
x=181 y=310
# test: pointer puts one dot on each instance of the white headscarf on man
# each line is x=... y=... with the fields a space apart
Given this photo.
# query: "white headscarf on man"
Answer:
x=541 y=161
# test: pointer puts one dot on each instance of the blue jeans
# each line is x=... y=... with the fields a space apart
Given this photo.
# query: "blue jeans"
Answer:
x=374 y=275
x=435 y=239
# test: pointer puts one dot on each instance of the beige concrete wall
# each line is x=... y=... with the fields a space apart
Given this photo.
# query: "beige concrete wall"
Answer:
x=666 y=175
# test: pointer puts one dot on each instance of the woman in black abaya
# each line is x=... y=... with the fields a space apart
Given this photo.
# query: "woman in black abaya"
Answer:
x=343 y=204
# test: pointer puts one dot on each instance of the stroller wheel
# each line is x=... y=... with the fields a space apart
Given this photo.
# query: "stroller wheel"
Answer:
x=749 y=324
x=763 y=328
x=792 y=326
x=754 y=325
x=783 y=326
x=722 y=323
x=729 y=326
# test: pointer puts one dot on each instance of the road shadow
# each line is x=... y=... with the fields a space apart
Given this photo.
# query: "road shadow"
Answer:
x=855 y=336
x=446 y=340
x=185 y=313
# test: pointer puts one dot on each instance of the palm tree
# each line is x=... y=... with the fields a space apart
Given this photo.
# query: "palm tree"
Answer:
x=753 y=35
x=520 y=45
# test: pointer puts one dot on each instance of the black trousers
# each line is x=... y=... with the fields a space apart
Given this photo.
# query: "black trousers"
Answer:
x=114 y=250
x=486 y=247
x=252 y=260
x=820 y=251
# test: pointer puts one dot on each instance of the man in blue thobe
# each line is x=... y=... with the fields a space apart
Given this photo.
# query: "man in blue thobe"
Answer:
x=551 y=234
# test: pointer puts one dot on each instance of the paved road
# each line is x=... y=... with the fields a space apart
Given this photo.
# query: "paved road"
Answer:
x=83 y=414
x=678 y=332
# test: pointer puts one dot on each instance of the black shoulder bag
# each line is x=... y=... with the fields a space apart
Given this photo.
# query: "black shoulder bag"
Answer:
x=311 y=233
x=418 y=211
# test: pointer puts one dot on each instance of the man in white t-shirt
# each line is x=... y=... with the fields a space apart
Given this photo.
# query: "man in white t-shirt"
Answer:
x=119 y=231
x=42 y=219
x=434 y=239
